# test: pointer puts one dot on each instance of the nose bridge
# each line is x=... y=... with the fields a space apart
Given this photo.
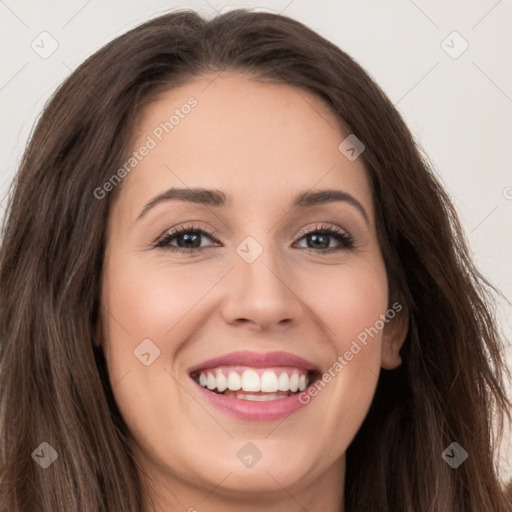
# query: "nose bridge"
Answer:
x=260 y=290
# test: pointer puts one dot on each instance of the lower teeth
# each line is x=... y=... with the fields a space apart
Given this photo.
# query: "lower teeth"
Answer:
x=257 y=397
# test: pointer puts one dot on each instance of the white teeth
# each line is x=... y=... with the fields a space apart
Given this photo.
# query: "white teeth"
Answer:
x=284 y=382
x=251 y=381
x=269 y=382
x=222 y=382
x=294 y=382
x=234 y=381
x=211 y=381
x=302 y=383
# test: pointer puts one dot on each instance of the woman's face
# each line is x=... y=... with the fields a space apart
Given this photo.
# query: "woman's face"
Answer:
x=265 y=297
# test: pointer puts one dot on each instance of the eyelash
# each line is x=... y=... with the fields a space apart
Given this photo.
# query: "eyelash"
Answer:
x=341 y=236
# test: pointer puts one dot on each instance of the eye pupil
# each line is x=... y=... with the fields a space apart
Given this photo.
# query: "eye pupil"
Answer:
x=321 y=238
x=189 y=238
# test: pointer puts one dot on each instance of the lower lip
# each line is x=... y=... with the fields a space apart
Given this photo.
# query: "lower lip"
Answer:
x=253 y=411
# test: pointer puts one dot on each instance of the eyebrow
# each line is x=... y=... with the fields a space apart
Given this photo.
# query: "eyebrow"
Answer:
x=211 y=197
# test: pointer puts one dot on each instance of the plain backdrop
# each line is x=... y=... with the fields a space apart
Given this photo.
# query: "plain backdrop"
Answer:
x=446 y=67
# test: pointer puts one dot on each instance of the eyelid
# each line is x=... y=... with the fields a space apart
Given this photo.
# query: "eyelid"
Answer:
x=188 y=226
x=320 y=227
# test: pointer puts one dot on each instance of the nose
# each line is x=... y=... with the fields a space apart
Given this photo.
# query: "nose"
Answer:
x=261 y=294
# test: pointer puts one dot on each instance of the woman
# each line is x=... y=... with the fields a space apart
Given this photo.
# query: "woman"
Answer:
x=230 y=281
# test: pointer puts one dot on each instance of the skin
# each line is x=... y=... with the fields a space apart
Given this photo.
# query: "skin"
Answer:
x=261 y=144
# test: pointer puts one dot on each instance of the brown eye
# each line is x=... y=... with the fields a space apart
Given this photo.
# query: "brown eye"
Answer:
x=187 y=239
x=319 y=239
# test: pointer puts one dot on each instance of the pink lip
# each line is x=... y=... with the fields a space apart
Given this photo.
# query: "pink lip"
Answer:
x=253 y=411
x=247 y=409
x=256 y=360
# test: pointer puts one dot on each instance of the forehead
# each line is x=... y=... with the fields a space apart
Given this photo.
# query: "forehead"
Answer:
x=261 y=143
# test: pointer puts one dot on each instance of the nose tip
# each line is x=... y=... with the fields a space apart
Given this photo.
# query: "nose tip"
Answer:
x=259 y=296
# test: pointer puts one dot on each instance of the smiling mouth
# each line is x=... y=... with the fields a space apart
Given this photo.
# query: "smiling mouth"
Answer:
x=255 y=384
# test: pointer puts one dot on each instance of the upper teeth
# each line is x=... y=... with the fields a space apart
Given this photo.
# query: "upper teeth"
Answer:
x=250 y=380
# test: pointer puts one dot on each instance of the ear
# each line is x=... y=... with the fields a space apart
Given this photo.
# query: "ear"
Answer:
x=393 y=336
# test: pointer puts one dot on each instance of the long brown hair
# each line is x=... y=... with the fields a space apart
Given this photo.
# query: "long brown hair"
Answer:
x=53 y=383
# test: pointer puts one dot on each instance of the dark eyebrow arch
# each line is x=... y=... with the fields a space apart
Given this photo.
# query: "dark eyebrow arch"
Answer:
x=210 y=197
x=203 y=196
x=308 y=199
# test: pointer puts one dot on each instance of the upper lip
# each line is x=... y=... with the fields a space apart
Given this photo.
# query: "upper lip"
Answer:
x=256 y=360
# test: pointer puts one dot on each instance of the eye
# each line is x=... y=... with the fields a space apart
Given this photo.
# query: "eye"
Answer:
x=319 y=239
x=187 y=238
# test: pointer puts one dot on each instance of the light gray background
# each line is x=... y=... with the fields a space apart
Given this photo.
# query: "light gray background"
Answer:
x=460 y=108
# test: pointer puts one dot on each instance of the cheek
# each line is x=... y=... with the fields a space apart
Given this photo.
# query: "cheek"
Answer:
x=149 y=312
x=350 y=303
x=348 y=300
x=143 y=307
x=152 y=301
